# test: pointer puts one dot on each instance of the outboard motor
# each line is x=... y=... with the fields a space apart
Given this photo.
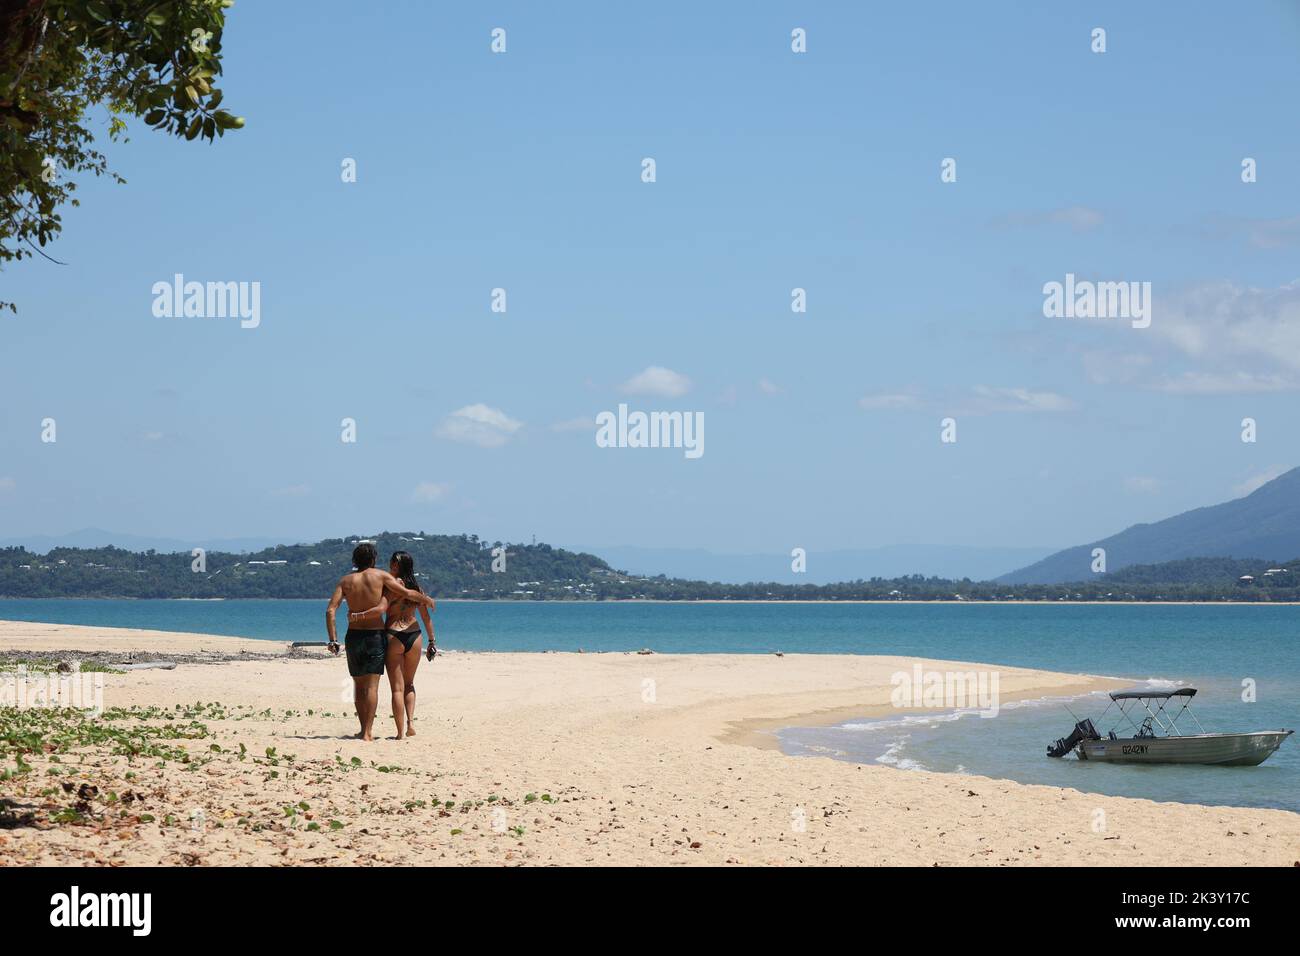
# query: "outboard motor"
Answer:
x=1083 y=730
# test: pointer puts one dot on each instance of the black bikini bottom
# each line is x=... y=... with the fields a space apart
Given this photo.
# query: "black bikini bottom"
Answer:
x=408 y=638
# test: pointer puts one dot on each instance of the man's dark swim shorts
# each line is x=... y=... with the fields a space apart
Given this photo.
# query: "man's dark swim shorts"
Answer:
x=365 y=650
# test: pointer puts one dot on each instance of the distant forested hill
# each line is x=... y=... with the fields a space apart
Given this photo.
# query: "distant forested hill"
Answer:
x=448 y=565
x=1265 y=523
x=460 y=566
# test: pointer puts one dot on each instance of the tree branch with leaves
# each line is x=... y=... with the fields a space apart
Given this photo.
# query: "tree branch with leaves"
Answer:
x=64 y=62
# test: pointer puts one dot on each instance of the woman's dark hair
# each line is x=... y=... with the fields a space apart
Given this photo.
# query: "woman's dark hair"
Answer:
x=405 y=569
x=363 y=556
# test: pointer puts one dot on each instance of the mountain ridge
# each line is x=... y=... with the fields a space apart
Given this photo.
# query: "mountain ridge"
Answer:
x=1265 y=523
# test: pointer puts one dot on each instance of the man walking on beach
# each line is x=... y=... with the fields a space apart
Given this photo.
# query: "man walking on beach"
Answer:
x=366 y=589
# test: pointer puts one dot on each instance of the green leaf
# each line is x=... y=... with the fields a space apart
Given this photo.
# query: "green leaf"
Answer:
x=195 y=125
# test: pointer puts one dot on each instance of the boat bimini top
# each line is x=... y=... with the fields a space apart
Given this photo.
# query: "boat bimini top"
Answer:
x=1158 y=720
x=1152 y=694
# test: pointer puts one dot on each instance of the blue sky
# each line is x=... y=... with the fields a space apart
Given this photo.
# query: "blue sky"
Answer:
x=775 y=170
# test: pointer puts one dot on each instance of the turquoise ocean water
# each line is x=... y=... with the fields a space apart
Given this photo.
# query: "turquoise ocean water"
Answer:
x=1211 y=648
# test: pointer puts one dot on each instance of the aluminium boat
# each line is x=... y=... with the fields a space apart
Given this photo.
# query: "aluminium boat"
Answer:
x=1156 y=737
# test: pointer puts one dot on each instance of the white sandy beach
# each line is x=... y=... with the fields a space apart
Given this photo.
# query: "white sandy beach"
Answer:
x=566 y=759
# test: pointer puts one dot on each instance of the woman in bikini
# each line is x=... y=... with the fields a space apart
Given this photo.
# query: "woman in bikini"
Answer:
x=402 y=655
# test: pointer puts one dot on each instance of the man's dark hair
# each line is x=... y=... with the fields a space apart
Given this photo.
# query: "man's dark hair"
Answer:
x=364 y=556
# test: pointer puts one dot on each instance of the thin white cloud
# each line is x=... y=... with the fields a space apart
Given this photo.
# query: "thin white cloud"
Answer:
x=768 y=387
x=155 y=439
x=987 y=401
x=889 y=401
x=1078 y=218
x=480 y=425
x=580 y=424
x=7 y=484
x=429 y=491
x=1142 y=485
x=1224 y=383
x=1257 y=481
x=657 y=380
x=978 y=400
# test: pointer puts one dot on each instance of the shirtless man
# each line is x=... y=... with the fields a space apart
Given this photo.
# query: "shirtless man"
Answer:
x=366 y=588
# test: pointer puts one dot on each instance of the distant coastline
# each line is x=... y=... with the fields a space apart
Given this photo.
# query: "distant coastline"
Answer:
x=463 y=600
x=466 y=567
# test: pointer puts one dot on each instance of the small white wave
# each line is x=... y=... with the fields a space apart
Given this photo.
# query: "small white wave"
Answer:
x=1047 y=701
x=947 y=716
x=828 y=751
x=893 y=757
x=907 y=720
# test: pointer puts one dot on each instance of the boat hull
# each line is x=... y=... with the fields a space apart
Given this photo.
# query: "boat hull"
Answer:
x=1224 y=750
